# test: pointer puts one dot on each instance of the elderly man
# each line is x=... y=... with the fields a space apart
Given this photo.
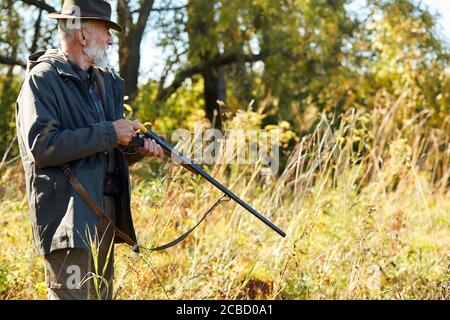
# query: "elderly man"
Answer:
x=70 y=112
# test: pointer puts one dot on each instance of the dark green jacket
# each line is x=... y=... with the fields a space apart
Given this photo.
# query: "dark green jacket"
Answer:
x=57 y=124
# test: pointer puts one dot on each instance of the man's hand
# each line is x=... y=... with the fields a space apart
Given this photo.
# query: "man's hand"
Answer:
x=151 y=149
x=125 y=130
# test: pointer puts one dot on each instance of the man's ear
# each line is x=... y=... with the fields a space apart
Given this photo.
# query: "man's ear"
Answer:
x=81 y=36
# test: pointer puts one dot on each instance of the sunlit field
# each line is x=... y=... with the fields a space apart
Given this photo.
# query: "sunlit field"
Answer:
x=365 y=204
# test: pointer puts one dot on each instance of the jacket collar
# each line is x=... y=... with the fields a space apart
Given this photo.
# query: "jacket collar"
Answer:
x=63 y=65
x=60 y=61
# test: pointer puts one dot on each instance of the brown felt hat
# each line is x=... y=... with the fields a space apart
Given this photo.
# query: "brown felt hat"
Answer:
x=87 y=10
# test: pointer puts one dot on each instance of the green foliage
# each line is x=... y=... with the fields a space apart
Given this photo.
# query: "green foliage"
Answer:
x=180 y=110
x=320 y=58
x=403 y=59
x=9 y=90
x=11 y=30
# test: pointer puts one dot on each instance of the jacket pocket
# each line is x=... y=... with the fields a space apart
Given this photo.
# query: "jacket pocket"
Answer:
x=44 y=195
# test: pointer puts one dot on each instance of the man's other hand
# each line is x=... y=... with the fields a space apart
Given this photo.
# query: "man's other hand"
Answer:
x=151 y=149
x=125 y=130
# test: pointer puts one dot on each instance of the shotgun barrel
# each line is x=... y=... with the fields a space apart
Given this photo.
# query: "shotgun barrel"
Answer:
x=188 y=164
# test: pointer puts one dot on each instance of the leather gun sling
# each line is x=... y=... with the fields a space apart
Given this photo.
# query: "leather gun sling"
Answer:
x=77 y=186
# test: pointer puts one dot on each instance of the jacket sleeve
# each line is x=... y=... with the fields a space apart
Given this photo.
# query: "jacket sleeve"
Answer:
x=40 y=127
x=131 y=154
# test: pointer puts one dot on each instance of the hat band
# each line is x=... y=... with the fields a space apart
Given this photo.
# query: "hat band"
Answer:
x=85 y=14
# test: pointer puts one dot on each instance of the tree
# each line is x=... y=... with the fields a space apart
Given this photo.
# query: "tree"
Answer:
x=296 y=41
x=9 y=45
x=134 y=17
x=307 y=56
x=134 y=23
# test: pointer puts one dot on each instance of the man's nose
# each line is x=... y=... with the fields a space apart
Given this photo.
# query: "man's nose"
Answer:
x=109 y=39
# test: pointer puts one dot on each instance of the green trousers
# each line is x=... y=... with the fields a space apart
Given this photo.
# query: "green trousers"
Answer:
x=78 y=274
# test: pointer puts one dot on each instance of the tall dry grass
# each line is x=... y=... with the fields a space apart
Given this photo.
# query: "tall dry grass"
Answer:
x=366 y=208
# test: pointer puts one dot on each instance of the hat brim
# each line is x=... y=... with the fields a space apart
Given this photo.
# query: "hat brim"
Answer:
x=110 y=23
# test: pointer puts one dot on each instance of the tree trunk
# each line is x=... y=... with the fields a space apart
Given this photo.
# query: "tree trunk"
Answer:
x=204 y=46
x=130 y=42
x=214 y=90
x=130 y=59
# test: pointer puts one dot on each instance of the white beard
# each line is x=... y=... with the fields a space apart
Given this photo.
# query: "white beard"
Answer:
x=98 y=55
